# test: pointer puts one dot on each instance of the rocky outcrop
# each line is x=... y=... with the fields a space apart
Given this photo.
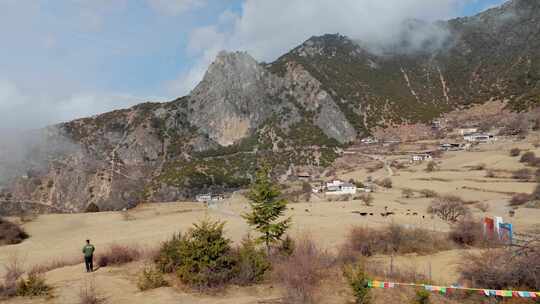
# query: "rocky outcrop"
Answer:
x=309 y=93
x=232 y=100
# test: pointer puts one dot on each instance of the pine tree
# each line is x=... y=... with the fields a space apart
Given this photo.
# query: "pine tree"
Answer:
x=267 y=208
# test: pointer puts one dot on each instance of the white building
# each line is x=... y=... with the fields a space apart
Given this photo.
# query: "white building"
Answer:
x=338 y=187
x=369 y=140
x=207 y=197
x=464 y=131
x=479 y=137
x=420 y=157
x=203 y=197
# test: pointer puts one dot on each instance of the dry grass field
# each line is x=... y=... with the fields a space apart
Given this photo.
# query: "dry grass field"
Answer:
x=61 y=236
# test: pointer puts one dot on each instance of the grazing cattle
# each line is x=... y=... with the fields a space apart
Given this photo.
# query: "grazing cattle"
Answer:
x=371 y=214
x=415 y=213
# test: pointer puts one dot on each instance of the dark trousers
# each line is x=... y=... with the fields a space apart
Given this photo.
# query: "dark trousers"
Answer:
x=89 y=262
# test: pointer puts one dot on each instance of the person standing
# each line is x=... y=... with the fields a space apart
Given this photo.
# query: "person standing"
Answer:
x=88 y=251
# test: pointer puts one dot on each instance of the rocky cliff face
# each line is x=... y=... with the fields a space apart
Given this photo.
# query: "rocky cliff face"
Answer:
x=298 y=110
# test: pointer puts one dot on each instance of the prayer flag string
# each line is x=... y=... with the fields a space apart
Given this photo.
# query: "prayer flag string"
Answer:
x=445 y=289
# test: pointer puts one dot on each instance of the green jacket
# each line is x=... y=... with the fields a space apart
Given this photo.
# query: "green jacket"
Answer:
x=88 y=250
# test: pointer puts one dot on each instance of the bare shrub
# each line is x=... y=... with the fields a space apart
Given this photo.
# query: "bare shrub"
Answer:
x=467 y=231
x=431 y=166
x=33 y=286
x=427 y=193
x=449 y=208
x=398 y=165
x=13 y=269
x=501 y=269
x=535 y=162
x=527 y=157
x=515 y=152
x=118 y=254
x=285 y=247
x=536 y=193
x=407 y=193
x=11 y=233
x=385 y=182
x=301 y=273
x=519 y=199
x=366 y=198
x=12 y=273
x=437 y=153
x=522 y=174
x=362 y=241
x=307 y=190
x=89 y=295
x=92 y=208
x=484 y=207
x=28 y=216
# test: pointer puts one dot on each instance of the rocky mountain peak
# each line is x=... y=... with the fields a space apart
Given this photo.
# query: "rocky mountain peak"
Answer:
x=325 y=45
x=230 y=101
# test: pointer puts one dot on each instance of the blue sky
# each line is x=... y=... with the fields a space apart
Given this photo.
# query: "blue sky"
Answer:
x=65 y=59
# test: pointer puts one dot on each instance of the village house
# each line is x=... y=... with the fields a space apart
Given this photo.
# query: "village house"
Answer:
x=464 y=131
x=479 y=137
x=337 y=187
x=369 y=140
x=416 y=158
x=208 y=197
x=453 y=146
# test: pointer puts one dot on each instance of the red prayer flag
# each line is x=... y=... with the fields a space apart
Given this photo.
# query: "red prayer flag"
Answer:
x=489 y=225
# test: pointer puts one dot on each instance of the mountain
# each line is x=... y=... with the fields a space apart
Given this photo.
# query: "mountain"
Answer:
x=299 y=110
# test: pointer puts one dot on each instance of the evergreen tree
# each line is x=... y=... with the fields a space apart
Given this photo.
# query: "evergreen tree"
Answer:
x=267 y=208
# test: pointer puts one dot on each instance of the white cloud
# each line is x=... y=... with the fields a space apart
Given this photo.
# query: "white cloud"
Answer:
x=203 y=38
x=25 y=110
x=175 y=7
x=267 y=29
